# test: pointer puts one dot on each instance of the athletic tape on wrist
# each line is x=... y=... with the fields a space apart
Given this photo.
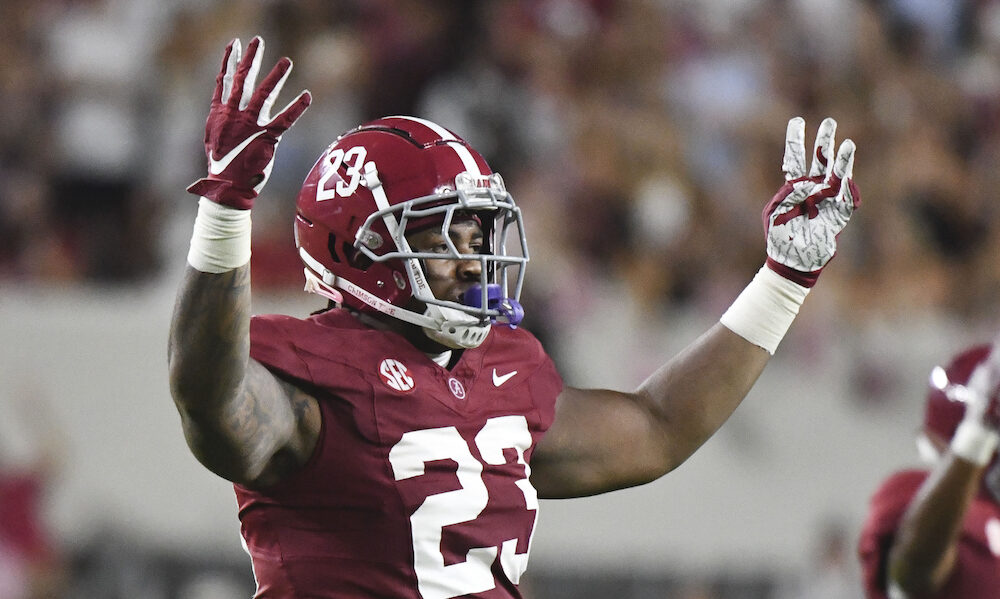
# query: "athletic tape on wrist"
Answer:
x=221 y=238
x=765 y=309
x=974 y=442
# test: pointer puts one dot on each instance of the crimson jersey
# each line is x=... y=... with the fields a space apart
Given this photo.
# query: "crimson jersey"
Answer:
x=977 y=569
x=418 y=486
x=22 y=527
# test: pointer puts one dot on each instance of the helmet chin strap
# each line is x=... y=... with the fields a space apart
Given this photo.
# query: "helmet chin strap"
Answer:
x=449 y=327
x=315 y=285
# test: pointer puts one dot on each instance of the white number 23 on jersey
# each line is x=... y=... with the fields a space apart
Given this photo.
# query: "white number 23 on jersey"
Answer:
x=435 y=579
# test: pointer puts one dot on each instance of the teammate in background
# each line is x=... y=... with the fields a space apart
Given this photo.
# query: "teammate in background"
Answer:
x=396 y=443
x=31 y=566
x=936 y=533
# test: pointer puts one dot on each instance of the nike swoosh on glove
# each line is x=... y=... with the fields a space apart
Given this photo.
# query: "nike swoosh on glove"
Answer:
x=240 y=134
x=803 y=220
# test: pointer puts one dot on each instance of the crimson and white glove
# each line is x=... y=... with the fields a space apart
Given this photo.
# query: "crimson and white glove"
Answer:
x=978 y=434
x=240 y=134
x=805 y=217
x=801 y=223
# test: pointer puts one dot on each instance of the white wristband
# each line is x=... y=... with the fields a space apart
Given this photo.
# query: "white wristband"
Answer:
x=221 y=238
x=974 y=442
x=765 y=309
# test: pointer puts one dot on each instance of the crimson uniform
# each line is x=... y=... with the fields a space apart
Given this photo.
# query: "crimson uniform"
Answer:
x=977 y=569
x=22 y=527
x=418 y=486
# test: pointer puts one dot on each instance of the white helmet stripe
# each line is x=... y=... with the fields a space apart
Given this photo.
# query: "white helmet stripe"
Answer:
x=463 y=152
x=441 y=131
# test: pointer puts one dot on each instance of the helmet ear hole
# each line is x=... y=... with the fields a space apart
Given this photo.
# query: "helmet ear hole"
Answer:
x=334 y=249
x=345 y=253
x=357 y=259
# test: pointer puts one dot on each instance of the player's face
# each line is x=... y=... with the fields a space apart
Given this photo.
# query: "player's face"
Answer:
x=448 y=279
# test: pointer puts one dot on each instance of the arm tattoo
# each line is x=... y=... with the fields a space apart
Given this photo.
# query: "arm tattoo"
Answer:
x=238 y=417
x=210 y=335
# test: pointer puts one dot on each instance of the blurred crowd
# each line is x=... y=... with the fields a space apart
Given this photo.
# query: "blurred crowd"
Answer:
x=641 y=138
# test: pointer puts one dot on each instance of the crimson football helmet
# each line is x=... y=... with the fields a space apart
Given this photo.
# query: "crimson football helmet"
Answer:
x=946 y=407
x=391 y=176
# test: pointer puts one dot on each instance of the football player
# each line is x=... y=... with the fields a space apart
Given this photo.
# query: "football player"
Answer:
x=935 y=533
x=396 y=444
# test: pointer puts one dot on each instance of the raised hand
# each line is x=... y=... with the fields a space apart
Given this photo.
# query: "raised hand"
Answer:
x=240 y=133
x=982 y=392
x=803 y=220
x=978 y=434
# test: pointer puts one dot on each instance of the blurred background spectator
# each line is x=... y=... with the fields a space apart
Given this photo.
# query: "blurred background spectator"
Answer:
x=640 y=137
x=32 y=564
x=834 y=572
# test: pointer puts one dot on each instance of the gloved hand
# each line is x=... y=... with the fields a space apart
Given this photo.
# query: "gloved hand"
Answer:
x=978 y=434
x=803 y=220
x=240 y=134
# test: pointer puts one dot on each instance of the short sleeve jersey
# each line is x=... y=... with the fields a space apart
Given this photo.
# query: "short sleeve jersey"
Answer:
x=418 y=486
x=977 y=569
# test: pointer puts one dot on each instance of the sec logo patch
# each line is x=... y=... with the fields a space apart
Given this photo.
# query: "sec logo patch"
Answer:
x=395 y=375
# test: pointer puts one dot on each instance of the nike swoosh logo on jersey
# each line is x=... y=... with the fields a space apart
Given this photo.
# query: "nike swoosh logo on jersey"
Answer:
x=216 y=167
x=501 y=379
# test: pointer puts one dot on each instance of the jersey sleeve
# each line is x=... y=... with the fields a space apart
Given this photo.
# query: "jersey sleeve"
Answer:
x=885 y=513
x=272 y=343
